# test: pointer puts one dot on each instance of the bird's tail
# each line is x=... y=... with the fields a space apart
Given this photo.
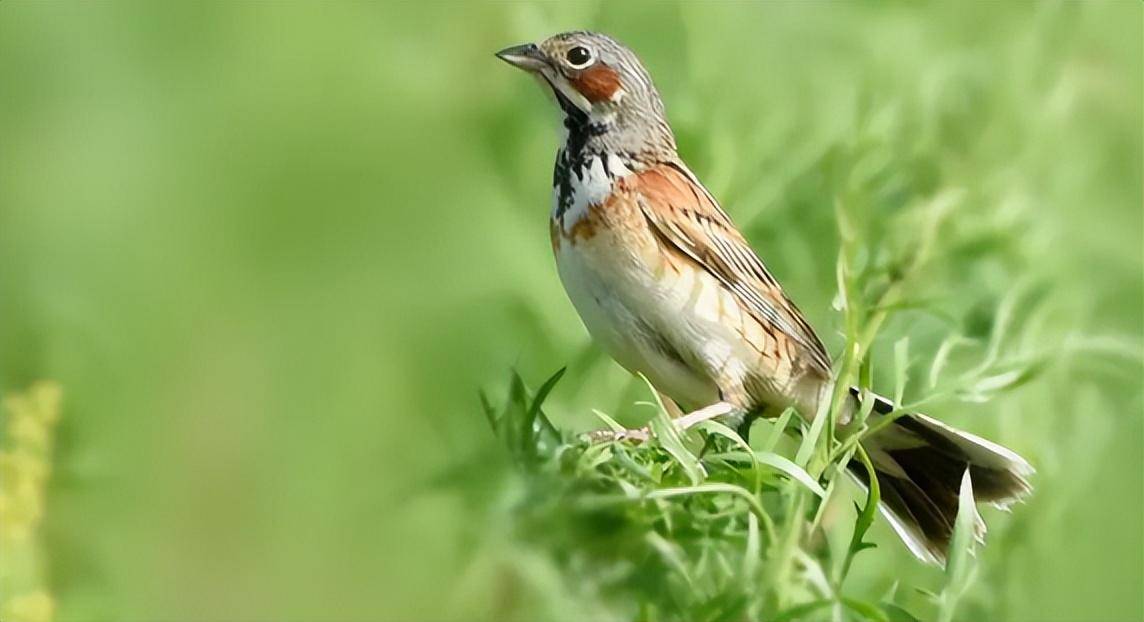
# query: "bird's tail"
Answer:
x=920 y=462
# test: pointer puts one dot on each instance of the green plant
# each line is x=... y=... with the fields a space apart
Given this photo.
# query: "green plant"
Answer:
x=25 y=468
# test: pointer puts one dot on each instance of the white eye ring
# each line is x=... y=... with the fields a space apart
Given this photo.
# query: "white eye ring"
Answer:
x=579 y=57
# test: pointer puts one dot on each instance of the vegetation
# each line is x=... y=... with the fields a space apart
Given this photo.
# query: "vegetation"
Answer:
x=269 y=251
x=25 y=468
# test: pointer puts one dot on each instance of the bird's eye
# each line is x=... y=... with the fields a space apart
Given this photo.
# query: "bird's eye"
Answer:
x=579 y=57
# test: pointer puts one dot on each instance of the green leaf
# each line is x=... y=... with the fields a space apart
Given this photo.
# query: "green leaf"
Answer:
x=810 y=439
x=716 y=428
x=594 y=456
x=866 y=372
x=865 y=517
x=942 y=357
x=612 y=424
x=490 y=411
x=778 y=430
x=625 y=461
x=667 y=435
x=514 y=410
x=799 y=611
x=665 y=432
x=716 y=488
x=1010 y=379
x=866 y=610
x=961 y=544
x=533 y=416
x=901 y=368
x=796 y=472
x=895 y=613
x=958 y=569
x=778 y=463
x=865 y=407
x=751 y=554
x=670 y=553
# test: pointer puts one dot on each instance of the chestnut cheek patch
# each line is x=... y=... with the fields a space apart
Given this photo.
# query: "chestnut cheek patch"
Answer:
x=598 y=84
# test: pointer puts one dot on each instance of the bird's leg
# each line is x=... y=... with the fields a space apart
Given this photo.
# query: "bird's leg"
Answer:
x=718 y=409
x=682 y=422
x=603 y=436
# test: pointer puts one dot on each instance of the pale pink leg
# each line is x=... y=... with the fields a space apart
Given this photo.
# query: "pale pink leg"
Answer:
x=689 y=420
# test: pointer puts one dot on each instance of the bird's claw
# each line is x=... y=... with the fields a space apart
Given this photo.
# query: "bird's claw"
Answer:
x=640 y=435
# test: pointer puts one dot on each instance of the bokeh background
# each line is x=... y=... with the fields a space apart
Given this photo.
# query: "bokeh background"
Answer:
x=270 y=252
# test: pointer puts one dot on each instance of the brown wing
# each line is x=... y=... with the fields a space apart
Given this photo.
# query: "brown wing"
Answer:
x=682 y=211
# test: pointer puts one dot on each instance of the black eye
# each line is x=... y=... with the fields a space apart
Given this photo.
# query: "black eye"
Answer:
x=578 y=56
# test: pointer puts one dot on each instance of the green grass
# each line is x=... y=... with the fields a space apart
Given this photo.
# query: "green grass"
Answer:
x=269 y=251
x=702 y=527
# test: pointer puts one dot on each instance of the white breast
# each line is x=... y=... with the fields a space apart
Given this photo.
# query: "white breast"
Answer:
x=638 y=312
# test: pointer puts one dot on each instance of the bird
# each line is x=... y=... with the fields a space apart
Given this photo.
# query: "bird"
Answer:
x=668 y=286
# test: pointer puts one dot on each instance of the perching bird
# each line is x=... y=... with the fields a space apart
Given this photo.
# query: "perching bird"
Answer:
x=670 y=288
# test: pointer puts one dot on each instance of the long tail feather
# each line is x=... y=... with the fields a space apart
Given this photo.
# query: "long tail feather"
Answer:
x=919 y=462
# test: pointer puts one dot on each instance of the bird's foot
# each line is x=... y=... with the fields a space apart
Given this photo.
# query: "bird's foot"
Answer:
x=695 y=417
x=606 y=435
x=685 y=422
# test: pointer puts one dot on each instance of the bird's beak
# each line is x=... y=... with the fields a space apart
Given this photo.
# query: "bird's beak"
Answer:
x=527 y=57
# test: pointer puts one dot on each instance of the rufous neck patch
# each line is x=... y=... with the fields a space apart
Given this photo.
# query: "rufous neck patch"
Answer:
x=598 y=84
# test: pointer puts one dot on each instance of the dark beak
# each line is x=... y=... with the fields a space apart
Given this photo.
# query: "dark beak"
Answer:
x=527 y=57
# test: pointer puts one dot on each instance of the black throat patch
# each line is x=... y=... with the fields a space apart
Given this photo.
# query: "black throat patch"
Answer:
x=575 y=155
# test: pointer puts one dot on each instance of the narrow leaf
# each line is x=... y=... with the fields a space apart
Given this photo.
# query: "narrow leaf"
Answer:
x=714 y=427
x=751 y=555
x=958 y=571
x=612 y=424
x=534 y=414
x=901 y=368
x=961 y=543
x=810 y=440
x=738 y=491
x=665 y=432
x=670 y=553
x=776 y=433
x=796 y=472
x=490 y=411
x=799 y=612
x=898 y=614
x=866 y=610
x=942 y=357
x=865 y=517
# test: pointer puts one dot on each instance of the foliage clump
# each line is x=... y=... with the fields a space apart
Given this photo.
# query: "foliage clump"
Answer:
x=690 y=525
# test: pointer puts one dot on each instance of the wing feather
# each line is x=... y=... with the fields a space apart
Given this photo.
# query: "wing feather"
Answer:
x=683 y=213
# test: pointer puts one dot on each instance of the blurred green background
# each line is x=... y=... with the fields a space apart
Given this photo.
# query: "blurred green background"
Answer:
x=271 y=250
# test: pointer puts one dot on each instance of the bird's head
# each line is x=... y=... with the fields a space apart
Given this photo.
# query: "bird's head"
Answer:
x=601 y=86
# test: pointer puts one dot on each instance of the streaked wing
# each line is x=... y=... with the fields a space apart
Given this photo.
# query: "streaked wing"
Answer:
x=687 y=216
